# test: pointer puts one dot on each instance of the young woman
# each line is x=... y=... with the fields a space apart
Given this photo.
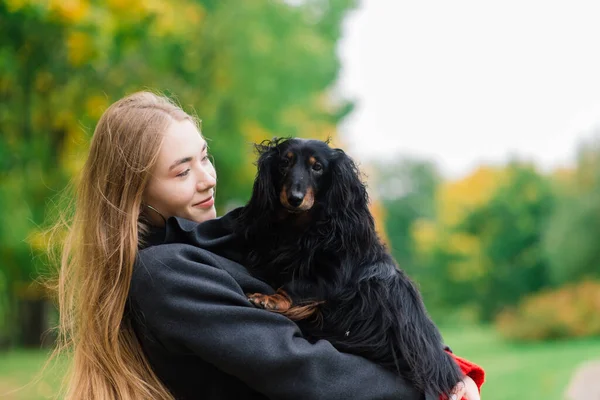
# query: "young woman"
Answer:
x=149 y=316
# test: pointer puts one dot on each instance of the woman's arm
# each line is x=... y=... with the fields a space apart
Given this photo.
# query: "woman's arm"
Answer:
x=189 y=305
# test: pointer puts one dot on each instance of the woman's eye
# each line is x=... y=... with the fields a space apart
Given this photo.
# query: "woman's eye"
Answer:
x=184 y=173
x=205 y=158
x=317 y=167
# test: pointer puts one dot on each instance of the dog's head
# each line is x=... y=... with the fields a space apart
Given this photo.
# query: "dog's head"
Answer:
x=296 y=174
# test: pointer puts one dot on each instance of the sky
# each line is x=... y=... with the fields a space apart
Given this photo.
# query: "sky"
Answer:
x=470 y=82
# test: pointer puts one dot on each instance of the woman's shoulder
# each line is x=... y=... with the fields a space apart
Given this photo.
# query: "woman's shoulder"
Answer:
x=174 y=257
x=165 y=269
x=173 y=261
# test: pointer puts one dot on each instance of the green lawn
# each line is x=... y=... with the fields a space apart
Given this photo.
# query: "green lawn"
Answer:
x=521 y=371
x=19 y=378
x=532 y=371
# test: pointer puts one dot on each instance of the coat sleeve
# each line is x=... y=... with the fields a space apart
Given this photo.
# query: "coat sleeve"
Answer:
x=192 y=307
x=471 y=370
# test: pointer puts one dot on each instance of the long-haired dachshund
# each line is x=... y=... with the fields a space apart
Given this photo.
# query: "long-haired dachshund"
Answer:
x=311 y=235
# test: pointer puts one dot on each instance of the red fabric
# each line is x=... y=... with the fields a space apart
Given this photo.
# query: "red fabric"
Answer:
x=470 y=369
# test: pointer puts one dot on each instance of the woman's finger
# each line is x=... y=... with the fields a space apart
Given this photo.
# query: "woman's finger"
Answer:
x=471 y=390
x=458 y=391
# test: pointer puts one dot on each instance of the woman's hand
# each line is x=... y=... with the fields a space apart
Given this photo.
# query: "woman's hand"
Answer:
x=467 y=389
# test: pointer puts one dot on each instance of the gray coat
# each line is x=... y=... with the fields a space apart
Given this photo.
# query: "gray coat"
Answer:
x=206 y=341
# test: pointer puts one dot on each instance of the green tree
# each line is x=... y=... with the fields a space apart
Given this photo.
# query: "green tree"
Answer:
x=571 y=240
x=407 y=191
x=250 y=70
x=510 y=228
x=483 y=249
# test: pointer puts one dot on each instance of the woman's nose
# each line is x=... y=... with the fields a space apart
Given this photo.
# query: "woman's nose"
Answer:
x=206 y=180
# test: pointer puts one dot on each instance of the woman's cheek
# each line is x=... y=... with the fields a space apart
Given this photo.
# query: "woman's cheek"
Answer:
x=184 y=193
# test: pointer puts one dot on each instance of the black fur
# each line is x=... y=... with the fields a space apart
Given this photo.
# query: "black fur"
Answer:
x=332 y=253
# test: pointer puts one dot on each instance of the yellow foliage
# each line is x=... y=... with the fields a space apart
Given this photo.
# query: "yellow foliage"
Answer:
x=80 y=48
x=70 y=10
x=297 y=117
x=563 y=175
x=572 y=311
x=76 y=144
x=16 y=5
x=254 y=132
x=194 y=13
x=37 y=240
x=133 y=7
x=46 y=240
x=472 y=263
x=167 y=20
x=95 y=106
x=463 y=244
x=428 y=235
x=425 y=234
x=170 y=17
x=455 y=198
x=378 y=212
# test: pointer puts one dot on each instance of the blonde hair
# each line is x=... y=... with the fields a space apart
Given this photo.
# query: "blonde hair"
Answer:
x=98 y=254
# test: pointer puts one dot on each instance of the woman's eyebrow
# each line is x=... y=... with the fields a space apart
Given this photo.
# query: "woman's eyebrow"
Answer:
x=180 y=161
x=186 y=159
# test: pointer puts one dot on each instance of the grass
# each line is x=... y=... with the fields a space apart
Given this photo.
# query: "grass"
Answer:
x=19 y=375
x=514 y=371
x=521 y=371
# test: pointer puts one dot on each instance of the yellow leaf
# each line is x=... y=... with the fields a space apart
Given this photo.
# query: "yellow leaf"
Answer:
x=378 y=212
x=455 y=198
x=79 y=47
x=425 y=234
x=16 y=5
x=254 y=132
x=70 y=10
x=95 y=106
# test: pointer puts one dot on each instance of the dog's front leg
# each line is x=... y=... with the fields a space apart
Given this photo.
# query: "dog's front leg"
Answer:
x=281 y=303
x=278 y=302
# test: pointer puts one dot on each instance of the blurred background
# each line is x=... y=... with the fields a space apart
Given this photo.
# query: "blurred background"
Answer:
x=476 y=126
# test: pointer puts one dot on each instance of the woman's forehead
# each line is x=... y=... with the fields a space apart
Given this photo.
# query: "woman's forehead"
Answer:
x=182 y=139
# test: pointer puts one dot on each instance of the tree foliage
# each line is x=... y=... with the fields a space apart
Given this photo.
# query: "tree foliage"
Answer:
x=473 y=242
x=250 y=70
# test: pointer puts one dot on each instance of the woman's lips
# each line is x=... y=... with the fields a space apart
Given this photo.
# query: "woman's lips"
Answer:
x=206 y=203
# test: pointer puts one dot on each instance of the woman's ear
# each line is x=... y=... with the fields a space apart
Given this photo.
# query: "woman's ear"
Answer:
x=346 y=191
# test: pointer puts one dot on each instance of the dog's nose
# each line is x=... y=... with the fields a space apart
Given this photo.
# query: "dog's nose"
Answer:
x=295 y=198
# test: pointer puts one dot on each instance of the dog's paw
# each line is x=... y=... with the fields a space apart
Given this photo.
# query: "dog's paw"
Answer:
x=275 y=302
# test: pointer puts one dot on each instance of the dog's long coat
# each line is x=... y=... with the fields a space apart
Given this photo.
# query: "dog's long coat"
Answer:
x=309 y=232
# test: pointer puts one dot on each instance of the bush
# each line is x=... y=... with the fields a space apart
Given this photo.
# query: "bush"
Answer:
x=569 y=312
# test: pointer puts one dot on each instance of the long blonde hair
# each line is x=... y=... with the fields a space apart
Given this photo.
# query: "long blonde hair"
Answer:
x=99 y=251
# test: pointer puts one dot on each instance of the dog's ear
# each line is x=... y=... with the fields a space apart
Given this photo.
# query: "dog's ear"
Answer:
x=346 y=191
x=264 y=196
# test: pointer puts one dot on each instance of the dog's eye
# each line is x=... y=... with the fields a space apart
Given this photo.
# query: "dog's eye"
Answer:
x=317 y=167
x=285 y=162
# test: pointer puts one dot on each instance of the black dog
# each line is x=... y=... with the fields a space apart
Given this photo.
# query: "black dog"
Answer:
x=310 y=233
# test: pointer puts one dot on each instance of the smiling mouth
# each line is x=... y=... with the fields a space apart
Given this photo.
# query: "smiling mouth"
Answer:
x=204 y=202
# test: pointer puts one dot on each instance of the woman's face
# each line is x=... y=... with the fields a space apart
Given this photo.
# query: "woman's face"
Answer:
x=183 y=180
